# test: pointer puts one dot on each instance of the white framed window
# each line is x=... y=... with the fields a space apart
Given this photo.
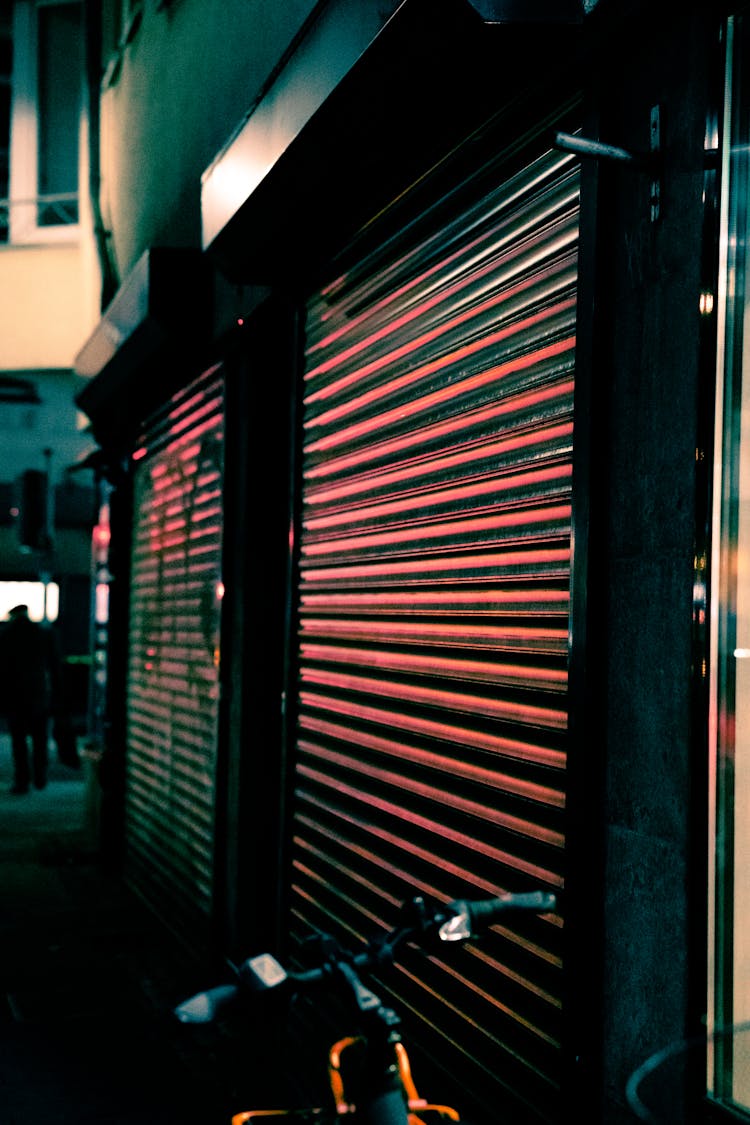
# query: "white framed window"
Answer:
x=6 y=64
x=46 y=121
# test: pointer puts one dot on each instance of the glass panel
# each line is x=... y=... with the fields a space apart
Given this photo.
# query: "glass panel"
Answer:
x=6 y=62
x=729 y=1079
x=59 y=109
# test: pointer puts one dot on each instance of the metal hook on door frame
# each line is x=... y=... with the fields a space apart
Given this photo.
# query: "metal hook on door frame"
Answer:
x=648 y=162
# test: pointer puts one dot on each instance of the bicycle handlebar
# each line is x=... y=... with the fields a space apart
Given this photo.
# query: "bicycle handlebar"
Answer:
x=469 y=918
x=458 y=921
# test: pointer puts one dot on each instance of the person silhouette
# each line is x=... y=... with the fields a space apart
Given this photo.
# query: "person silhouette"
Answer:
x=29 y=686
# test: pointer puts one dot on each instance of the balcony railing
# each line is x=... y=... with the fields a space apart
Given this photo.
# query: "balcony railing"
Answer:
x=57 y=210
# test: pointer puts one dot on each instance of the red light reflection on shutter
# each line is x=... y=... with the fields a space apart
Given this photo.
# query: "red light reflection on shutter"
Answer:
x=445 y=429
x=450 y=732
x=390 y=357
x=491 y=998
x=316 y=827
x=470 y=601
x=519 y=637
x=515 y=711
x=521 y=519
x=466 y=249
x=492 y=962
x=476 y=809
x=426 y=501
x=485 y=453
x=428 y=401
x=483 y=670
x=491 y=562
x=491 y=778
x=437 y=829
x=393 y=354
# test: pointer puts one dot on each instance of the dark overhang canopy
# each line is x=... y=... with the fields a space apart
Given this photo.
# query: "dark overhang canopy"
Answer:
x=156 y=327
x=533 y=11
x=366 y=98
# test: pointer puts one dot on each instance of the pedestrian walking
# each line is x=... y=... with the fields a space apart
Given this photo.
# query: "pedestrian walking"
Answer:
x=29 y=691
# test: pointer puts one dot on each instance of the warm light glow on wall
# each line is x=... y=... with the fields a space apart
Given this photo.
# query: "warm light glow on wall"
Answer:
x=102 y=603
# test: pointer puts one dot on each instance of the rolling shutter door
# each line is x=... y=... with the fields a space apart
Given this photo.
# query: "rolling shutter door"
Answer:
x=172 y=711
x=433 y=606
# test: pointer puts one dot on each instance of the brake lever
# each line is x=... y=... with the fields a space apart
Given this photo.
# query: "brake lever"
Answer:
x=456 y=928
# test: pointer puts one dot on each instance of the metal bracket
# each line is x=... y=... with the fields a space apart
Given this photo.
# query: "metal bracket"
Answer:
x=649 y=162
x=654 y=162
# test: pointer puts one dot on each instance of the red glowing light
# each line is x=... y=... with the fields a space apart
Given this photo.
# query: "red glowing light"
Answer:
x=139 y=454
x=101 y=536
x=220 y=591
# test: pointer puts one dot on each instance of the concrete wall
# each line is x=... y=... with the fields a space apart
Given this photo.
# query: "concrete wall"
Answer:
x=27 y=429
x=646 y=502
x=187 y=81
x=49 y=304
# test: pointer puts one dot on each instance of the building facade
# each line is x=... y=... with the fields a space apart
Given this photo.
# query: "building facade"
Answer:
x=50 y=280
x=418 y=387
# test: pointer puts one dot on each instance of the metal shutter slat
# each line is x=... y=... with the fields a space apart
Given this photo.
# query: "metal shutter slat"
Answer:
x=173 y=674
x=435 y=548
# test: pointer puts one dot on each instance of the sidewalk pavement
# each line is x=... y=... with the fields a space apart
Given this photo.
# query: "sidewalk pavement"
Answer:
x=89 y=978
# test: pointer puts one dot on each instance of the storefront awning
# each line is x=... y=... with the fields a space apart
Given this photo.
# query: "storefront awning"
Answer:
x=160 y=318
x=363 y=97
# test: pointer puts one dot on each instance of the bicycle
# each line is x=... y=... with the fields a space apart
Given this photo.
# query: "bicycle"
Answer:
x=379 y=1089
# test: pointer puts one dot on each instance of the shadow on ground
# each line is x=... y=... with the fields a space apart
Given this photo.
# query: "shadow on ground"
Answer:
x=88 y=980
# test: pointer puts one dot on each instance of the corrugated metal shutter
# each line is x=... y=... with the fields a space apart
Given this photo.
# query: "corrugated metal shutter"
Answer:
x=172 y=711
x=434 y=599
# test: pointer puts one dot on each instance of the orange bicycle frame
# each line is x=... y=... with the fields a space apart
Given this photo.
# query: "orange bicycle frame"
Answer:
x=343 y=1106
